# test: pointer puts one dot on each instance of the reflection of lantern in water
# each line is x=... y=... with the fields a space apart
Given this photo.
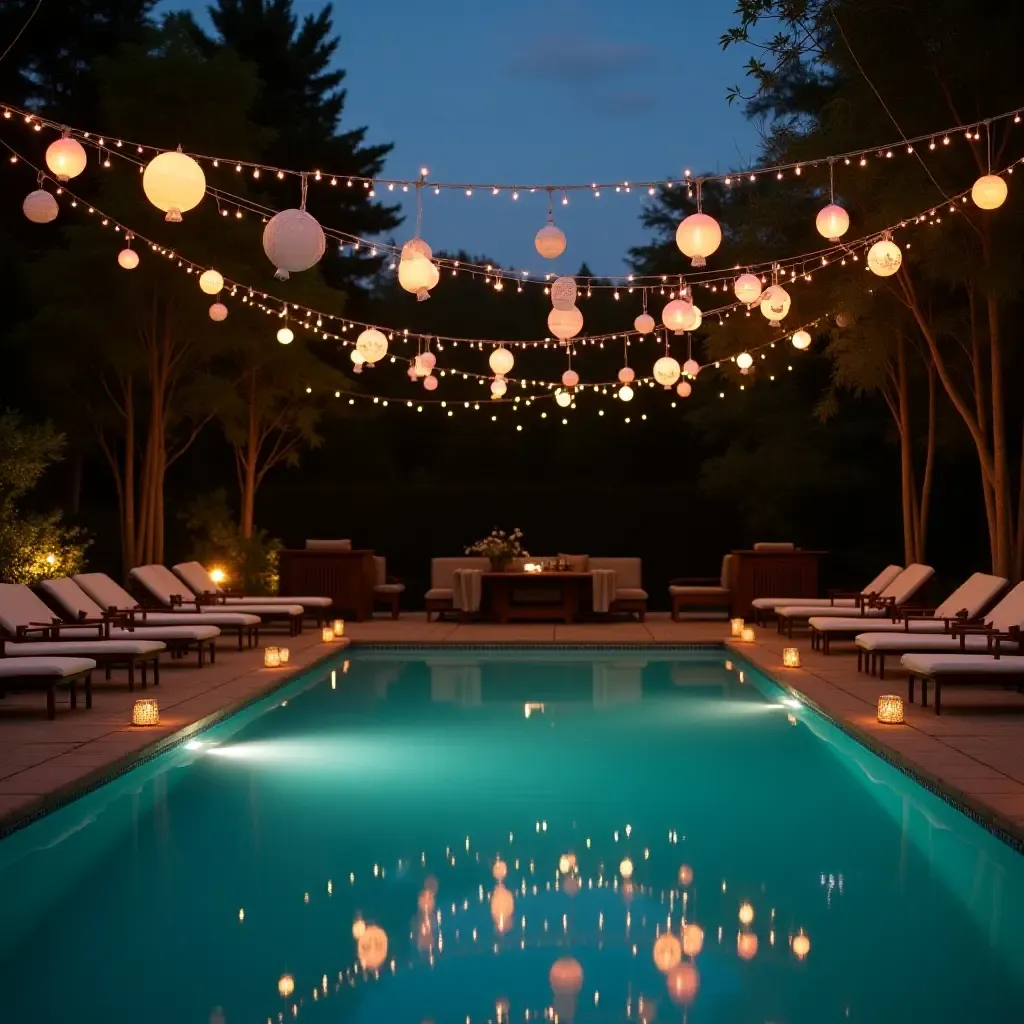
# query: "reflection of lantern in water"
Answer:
x=372 y=948
x=693 y=939
x=626 y=868
x=683 y=982
x=685 y=875
x=627 y=891
x=746 y=913
x=285 y=985
x=358 y=927
x=646 y=1010
x=566 y=976
x=503 y=905
x=801 y=945
x=571 y=885
x=501 y=1010
x=746 y=945
x=430 y=884
x=564 y=864
x=667 y=952
x=424 y=933
x=500 y=870
x=425 y=901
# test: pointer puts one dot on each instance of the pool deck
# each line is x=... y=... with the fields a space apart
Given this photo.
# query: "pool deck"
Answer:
x=974 y=749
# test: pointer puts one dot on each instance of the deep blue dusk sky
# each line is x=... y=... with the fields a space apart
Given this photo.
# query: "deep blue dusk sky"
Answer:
x=540 y=90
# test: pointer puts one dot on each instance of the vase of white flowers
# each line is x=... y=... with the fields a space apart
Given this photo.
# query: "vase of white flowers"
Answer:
x=500 y=547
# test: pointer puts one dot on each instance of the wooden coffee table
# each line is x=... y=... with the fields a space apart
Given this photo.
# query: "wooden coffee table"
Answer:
x=532 y=596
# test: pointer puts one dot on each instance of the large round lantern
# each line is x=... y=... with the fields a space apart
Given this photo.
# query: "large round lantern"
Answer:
x=666 y=371
x=416 y=247
x=430 y=383
x=747 y=289
x=128 y=259
x=693 y=939
x=418 y=275
x=211 y=282
x=627 y=375
x=698 y=236
x=684 y=389
x=744 y=361
x=174 y=183
x=570 y=379
x=988 y=192
x=501 y=361
x=644 y=323
x=372 y=947
x=566 y=976
x=40 y=207
x=563 y=293
x=372 y=345
x=668 y=951
x=565 y=323
x=801 y=340
x=65 y=158
x=293 y=241
x=218 y=312
x=503 y=905
x=833 y=222
x=775 y=302
x=678 y=316
x=884 y=258
x=550 y=242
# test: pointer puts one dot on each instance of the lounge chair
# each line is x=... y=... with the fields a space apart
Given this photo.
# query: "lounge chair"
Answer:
x=959 y=638
x=33 y=631
x=76 y=606
x=964 y=605
x=387 y=590
x=836 y=598
x=962 y=670
x=200 y=582
x=886 y=604
x=18 y=674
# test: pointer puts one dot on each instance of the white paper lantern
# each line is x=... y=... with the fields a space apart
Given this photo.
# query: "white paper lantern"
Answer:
x=211 y=282
x=416 y=247
x=293 y=241
x=501 y=361
x=698 y=318
x=691 y=367
x=498 y=387
x=775 y=302
x=666 y=371
x=174 y=183
x=627 y=375
x=418 y=275
x=428 y=360
x=286 y=335
x=218 y=312
x=430 y=383
x=625 y=393
x=65 y=158
x=989 y=192
x=698 y=236
x=565 y=323
x=570 y=378
x=747 y=289
x=644 y=323
x=801 y=340
x=410 y=373
x=563 y=293
x=744 y=360
x=884 y=258
x=833 y=222
x=678 y=316
x=683 y=389
x=358 y=358
x=563 y=398
x=372 y=345
x=40 y=207
x=550 y=242
x=128 y=259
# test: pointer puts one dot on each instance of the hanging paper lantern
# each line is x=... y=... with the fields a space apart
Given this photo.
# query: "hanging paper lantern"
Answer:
x=678 y=316
x=666 y=371
x=989 y=192
x=286 y=336
x=801 y=340
x=357 y=357
x=563 y=398
x=411 y=372
x=372 y=345
x=40 y=207
x=428 y=361
x=430 y=383
x=420 y=367
x=565 y=323
x=684 y=389
x=498 y=387
x=644 y=323
x=698 y=319
x=843 y=320
x=418 y=275
x=293 y=241
x=65 y=158
x=625 y=393
x=219 y=312
x=175 y=183
x=698 y=236
x=285 y=986
x=550 y=242
x=775 y=302
x=416 y=247
x=884 y=258
x=570 y=378
x=128 y=259
x=744 y=360
x=833 y=222
x=691 y=367
x=564 y=292
x=626 y=375
x=501 y=361
x=747 y=289
x=211 y=282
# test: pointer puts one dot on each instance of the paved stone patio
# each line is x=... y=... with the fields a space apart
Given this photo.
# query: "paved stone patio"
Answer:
x=976 y=747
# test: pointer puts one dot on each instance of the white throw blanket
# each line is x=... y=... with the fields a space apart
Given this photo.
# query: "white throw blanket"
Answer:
x=604 y=589
x=468 y=588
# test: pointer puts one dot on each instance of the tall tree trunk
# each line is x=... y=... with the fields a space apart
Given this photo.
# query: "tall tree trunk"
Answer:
x=249 y=463
x=907 y=485
x=924 y=506
x=128 y=529
x=1018 y=559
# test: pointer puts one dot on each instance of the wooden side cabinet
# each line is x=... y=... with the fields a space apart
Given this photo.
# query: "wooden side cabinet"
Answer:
x=772 y=574
x=346 y=577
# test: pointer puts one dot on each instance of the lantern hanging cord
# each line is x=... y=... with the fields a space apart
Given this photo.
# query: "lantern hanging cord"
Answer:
x=551 y=215
x=305 y=189
x=831 y=180
x=700 y=182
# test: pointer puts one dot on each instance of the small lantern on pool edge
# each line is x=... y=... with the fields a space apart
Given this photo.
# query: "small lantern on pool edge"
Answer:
x=284 y=654
x=747 y=635
x=271 y=657
x=791 y=657
x=339 y=627
x=736 y=627
x=890 y=709
x=145 y=712
x=327 y=635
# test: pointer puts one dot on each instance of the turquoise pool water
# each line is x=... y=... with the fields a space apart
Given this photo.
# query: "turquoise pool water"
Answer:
x=223 y=882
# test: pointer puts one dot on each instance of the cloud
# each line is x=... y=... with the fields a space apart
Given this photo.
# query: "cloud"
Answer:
x=577 y=60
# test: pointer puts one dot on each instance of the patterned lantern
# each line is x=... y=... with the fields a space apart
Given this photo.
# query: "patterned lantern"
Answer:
x=747 y=289
x=666 y=371
x=550 y=242
x=372 y=345
x=563 y=293
x=775 y=303
x=293 y=241
x=890 y=709
x=884 y=258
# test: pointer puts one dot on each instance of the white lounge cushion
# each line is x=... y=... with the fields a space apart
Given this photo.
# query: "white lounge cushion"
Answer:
x=877 y=585
x=973 y=596
x=1009 y=612
x=73 y=601
x=630 y=594
x=20 y=607
x=72 y=648
x=963 y=664
x=854 y=624
x=908 y=583
x=199 y=581
x=441 y=594
x=923 y=642
x=164 y=585
x=304 y=602
x=253 y=609
x=176 y=632
x=808 y=611
x=22 y=668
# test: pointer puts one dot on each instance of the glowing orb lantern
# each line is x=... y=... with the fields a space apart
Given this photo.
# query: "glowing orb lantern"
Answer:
x=691 y=367
x=746 y=913
x=668 y=951
x=428 y=361
x=698 y=236
x=418 y=275
x=565 y=323
x=40 y=207
x=746 y=945
x=627 y=375
x=285 y=335
x=626 y=868
x=211 y=282
x=498 y=387
x=563 y=399
x=501 y=361
x=500 y=870
x=885 y=258
x=801 y=340
x=65 y=158
x=685 y=875
x=683 y=982
x=372 y=947
x=563 y=293
x=693 y=939
x=426 y=901
x=988 y=192
x=644 y=323
x=775 y=303
x=357 y=359
x=801 y=945
x=625 y=393
x=744 y=360
x=678 y=316
x=564 y=864
x=566 y=976
x=128 y=259
x=174 y=183
x=747 y=289
x=684 y=389
x=570 y=378
x=550 y=242
x=503 y=906
x=666 y=371
x=832 y=222
x=285 y=986
x=372 y=345
x=698 y=319
x=293 y=241
x=218 y=312
x=890 y=709
x=430 y=383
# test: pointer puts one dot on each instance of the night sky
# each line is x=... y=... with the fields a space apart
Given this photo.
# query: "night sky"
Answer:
x=540 y=91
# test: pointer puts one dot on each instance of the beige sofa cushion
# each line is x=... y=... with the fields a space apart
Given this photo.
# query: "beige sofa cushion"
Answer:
x=328 y=545
x=440 y=594
x=630 y=594
x=628 y=570
x=442 y=570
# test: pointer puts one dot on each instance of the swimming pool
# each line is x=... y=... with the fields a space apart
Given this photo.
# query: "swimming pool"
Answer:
x=622 y=796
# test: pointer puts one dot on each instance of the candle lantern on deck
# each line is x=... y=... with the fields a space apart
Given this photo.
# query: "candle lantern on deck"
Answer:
x=145 y=712
x=890 y=709
x=339 y=627
x=327 y=635
x=791 y=657
x=271 y=657
x=284 y=654
x=747 y=634
x=736 y=627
